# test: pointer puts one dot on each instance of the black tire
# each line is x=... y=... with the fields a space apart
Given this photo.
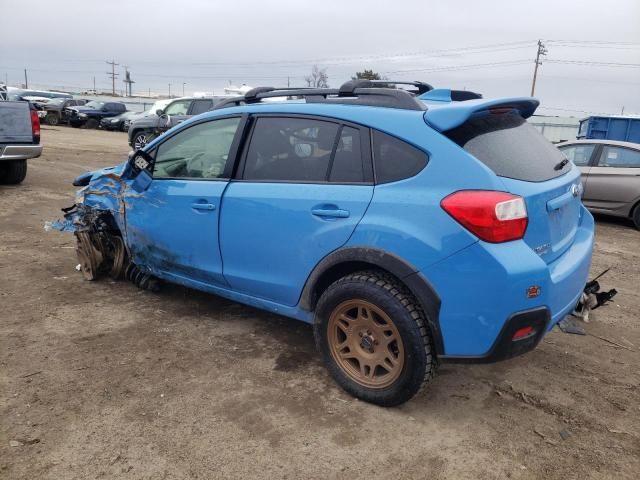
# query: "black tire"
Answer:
x=140 y=139
x=386 y=293
x=91 y=123
x=13 y=172
x=635 y=216
x=52 y=119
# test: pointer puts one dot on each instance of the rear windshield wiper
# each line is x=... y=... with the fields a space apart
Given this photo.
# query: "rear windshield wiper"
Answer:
x=560 y=165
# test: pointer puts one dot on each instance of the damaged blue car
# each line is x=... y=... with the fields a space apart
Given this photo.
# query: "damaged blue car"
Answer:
x=410 y=226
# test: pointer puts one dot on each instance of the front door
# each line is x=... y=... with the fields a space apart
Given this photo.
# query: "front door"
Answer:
x=172 y=226
x=303 y=186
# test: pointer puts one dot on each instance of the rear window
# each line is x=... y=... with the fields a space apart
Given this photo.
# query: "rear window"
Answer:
x=510 y=146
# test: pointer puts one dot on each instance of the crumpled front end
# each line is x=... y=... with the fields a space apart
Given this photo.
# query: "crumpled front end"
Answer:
x=97 y=221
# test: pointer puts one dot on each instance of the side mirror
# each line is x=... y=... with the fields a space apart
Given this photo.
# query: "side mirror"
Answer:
x=160 y=112
x=140 y=166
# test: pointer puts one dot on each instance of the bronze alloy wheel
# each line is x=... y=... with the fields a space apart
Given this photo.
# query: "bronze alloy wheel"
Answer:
x=365 y=344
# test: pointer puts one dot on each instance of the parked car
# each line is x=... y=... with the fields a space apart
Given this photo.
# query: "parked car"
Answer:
x=408 y=230
x=121 y=122
x=54 y=111
x=19 y=140
x=176 y=111
x=90 y=114
x=610 y=175
x=17 y=93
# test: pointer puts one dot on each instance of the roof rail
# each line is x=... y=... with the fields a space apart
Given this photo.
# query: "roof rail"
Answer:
x=353 y=92
x=351 y=85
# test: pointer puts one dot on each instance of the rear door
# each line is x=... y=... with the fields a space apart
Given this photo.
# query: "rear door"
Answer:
x=302 y=187
x=614 y=180
x=530 y=166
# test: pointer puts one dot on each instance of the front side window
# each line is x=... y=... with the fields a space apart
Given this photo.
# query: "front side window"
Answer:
x=200 y=151
x=619 y=157
x=290 y=149
x=579 y=154
x=178 y=108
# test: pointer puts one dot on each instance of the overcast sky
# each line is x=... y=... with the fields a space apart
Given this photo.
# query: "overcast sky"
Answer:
x=488 y=46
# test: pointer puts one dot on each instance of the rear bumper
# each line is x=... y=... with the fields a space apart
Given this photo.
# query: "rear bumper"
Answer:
x=19 y=152
x=505 y=347
x=484 y=287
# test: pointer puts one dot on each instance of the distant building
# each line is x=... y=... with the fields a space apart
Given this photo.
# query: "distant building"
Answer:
x=556 y=129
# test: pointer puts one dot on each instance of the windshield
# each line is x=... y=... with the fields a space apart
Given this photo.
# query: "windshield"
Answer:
x=57 y=101
x=94 y=104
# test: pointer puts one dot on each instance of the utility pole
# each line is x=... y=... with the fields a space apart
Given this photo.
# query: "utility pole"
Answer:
x=169 y=90
x=113 y=75
x=288 y=82
x=127 y=82
x=542 y=50
x=94 y=85
x=26 y=82
x=183 y=84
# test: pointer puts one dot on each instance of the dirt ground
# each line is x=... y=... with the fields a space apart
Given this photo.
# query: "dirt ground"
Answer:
x=102 y=380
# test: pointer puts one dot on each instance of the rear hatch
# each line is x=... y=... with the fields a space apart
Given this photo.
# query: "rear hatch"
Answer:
x=530 y=167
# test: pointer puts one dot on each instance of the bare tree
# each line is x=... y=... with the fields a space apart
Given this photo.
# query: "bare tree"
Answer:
x=318 y=78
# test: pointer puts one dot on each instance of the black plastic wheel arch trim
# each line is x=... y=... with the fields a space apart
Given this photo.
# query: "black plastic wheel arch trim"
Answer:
x=406 y=273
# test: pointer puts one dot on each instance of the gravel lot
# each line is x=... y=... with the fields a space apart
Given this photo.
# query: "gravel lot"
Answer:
x=102 y=380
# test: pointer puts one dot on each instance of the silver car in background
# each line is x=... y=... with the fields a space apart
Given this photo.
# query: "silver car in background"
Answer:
x=610 y=175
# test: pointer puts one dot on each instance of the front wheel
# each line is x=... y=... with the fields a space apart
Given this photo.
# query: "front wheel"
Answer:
x=140 y=140
x=91 y=123
x=52 y=119
x=374 y=339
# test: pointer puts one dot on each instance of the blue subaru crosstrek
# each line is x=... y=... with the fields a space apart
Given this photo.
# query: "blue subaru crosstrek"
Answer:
x=410 y=226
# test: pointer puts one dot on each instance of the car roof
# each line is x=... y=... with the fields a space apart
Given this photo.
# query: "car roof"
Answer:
x=616 y=143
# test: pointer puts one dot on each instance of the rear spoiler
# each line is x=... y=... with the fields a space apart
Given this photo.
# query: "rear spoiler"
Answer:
x=451 y=115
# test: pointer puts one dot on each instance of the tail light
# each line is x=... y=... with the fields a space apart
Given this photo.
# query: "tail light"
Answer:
x=492 y=216
x=35 y=126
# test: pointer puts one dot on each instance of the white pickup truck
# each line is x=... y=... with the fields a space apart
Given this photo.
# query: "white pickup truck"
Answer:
x=19 y=139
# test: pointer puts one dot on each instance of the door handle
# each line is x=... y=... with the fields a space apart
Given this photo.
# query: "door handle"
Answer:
x=203 y=206
x=330 y=212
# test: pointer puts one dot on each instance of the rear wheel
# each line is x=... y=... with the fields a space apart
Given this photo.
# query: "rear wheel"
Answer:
x=635 y=216
x=374 y=339
x=52 y=119
x=13 y=172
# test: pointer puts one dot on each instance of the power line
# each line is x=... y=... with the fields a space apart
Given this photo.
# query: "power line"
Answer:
x=461 y=67
x=596 y=64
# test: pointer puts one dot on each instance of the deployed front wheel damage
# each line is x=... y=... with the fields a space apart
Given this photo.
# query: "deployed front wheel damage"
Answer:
x=101 y=249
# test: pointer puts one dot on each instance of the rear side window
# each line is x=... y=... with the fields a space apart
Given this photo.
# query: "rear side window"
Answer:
x=291 y=149
x=510 y=146
x=619 y=157
x=394 y=159
x=347 y=163
x=201 y=106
